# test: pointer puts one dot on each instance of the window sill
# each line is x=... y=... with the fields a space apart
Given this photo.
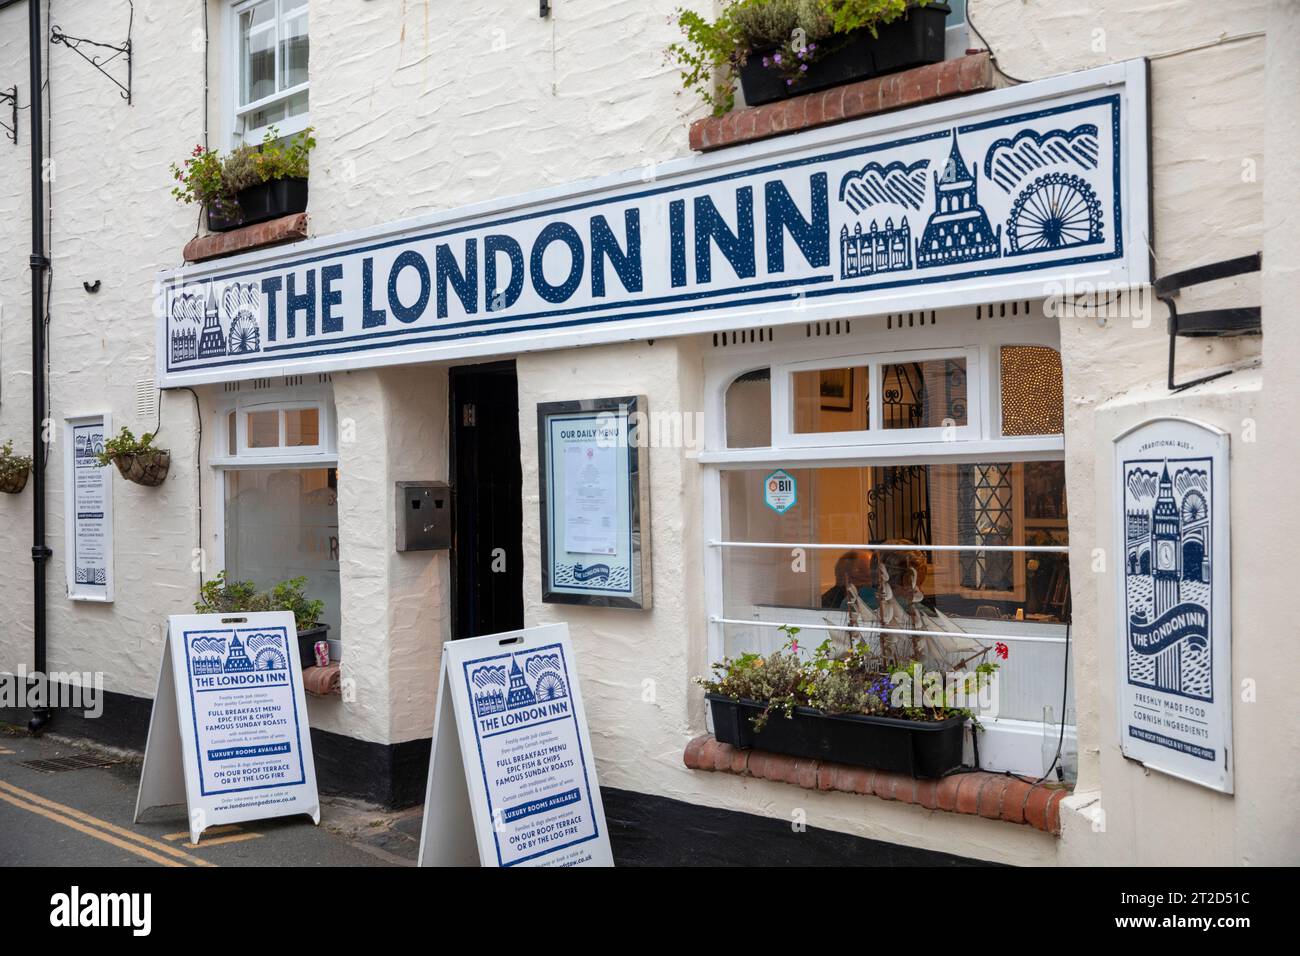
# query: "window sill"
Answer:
x=274 y=232
x=967 y=74
x=993 y=796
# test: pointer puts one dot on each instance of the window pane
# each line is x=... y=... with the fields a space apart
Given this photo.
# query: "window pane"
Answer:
x=929 y=394
x=831 y=400
x=1033 y=391
x=749 y=410
x=262 y=429
x=257 y=53
x=293 y=49
x=283 y=523
x=959 y=593
x=301 y=427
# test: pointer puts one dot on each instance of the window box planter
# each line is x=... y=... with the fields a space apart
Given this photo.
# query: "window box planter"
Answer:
x=307 y=643
x=914 y=39
x=269 y=200
x=917 y=748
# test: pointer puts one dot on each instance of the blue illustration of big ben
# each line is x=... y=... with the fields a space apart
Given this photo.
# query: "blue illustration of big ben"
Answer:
x=521 y=695
x=1166 y=546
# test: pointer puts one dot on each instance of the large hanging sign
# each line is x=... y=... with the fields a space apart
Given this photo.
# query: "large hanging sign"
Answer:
x=594 y=495
x=511 y=779
x=1174 y=596
x=1017 y=193
x=88 y=522
x=228 y=735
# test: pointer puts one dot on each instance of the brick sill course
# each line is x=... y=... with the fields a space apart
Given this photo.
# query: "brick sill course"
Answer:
x=994 y=796
x=972 y=73
x=257 y=236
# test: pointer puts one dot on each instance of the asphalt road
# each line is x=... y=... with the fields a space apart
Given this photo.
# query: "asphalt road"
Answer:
x=83 y=818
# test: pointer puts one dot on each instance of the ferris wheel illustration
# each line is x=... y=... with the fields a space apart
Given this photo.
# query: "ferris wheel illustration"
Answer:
x=1055 y=211
x=239 y=302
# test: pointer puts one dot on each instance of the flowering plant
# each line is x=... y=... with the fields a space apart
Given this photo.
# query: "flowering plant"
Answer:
x=789 y=35
x=125 y=444
x=13 y=467
x=208 y=178
x=867 y=679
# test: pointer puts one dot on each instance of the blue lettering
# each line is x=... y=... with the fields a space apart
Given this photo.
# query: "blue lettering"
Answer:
x=498 y=298
x=305 y=303
x=370 y=317
x=465 y=283
x=812 y=236
x=408 y=313
x=558 y=232
x=627 y=265
x=737 y=247
x=677 y=241
x=270 y=286
x=330 y=297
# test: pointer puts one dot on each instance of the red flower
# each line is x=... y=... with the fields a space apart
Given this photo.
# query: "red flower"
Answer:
x=1001 y=650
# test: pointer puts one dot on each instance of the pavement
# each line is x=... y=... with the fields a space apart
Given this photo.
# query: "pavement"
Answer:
x=82 y=817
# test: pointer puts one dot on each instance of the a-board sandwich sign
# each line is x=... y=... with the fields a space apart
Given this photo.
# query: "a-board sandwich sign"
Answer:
x=1174 y=662
x=512 y=781
x=229 y=735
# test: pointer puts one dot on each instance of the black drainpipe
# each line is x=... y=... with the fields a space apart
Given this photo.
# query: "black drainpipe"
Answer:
x=40 y=553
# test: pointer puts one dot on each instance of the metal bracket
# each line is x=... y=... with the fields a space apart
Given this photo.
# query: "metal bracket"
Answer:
x=74 y=44
x=11 y=97
x=1218 y=323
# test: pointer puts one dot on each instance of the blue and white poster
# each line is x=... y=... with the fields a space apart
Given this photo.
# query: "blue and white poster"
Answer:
x=1000 y=195
x=238 y=713
x=88 y=491
x=512 y=756
x=1174 y=662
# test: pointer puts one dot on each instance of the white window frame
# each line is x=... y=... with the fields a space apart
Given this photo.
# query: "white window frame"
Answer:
x=235 y=113
x=1006 y=743
x=224 y=459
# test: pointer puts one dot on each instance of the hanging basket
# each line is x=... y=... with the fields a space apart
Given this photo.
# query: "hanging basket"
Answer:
x=12 y=482
x=148 y=469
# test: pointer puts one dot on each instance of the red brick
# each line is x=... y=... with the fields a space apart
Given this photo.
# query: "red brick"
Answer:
x=693 y=749
x=925 y=84
x=927 y=793
x=1054 y=812
x=257 y=236
x=760 y=765
x=1013 y=800
x=946 y=795
x=855 y=780
x=1036 y=807
x=722 y=755
x=968 y=792
x=991 y=794
x=805 y=773
x=739 y=761
x=905 y=790
x=884 y=784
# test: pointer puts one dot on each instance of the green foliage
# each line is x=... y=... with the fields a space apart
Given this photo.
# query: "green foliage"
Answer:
x=11 y=464
x=125 y=444
x=207 y=178
x=790 y=35
x=219 y=596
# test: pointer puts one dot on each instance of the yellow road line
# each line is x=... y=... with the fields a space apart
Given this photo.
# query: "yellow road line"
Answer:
x=90 y=831
x=3 y=751
x=7 y=788
x=234 y=838
x=214 y=831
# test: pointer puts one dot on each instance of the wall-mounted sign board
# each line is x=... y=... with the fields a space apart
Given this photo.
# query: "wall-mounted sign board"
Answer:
x=512 y=781
x=1000 y=195
x=228 y=735
x=88 y=517
x=594 y=490
x=1173 y=597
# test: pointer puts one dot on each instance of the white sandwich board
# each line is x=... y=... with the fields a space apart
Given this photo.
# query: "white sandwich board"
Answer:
x=512 y=781
x=229 y=735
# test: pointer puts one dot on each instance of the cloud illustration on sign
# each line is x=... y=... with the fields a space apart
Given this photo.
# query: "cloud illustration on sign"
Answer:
x=1191 y=479
x=873 y=184
x=1143 y=483
x=540 y=662
x=483 y=676
x=1010 y=161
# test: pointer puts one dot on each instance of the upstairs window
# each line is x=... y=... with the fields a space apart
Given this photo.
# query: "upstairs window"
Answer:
x=270 y=50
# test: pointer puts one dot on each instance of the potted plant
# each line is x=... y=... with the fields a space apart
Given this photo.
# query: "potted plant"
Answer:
x=856 y=707
x=220 y=596
x=13 y=469
x=781 y=48
x=136 y=459
x=251 y=185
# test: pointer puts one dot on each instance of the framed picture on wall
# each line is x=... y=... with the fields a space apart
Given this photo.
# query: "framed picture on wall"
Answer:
x=595 y=496
x=837 y=389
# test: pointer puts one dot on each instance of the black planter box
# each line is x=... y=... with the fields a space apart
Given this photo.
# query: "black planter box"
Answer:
x=307 y=643
x=914 y=747
x=225 y=220
x=273 y=199
x=914 y=39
